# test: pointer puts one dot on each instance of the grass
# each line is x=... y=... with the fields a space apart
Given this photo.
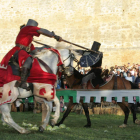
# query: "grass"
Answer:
x=104 y=127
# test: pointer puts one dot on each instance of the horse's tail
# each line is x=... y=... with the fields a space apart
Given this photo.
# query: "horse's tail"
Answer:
x=134 y=86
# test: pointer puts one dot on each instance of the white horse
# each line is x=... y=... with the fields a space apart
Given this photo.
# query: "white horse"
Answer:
x=9 y=93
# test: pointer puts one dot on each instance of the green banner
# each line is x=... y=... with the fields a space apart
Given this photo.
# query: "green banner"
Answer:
x=66 y=94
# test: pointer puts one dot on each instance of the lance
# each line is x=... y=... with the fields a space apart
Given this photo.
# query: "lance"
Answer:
x=68 y=43
x=42 y=43
x=79 y=46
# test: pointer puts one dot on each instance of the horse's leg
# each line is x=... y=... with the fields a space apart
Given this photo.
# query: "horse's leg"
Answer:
x=44 y=112
x=85 y=107
x=57 y=112
x=8 y=119
x=126 y=112
x=69 y=108
x=46 y=120
x=2 y=119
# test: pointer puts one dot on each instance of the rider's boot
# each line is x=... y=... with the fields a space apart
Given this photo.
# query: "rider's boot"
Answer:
x=24 y=74
x=22 y=82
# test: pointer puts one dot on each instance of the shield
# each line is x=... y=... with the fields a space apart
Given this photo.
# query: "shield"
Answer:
x=90 y=58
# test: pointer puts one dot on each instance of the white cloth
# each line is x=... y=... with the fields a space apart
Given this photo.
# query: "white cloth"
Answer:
x=129 y=79
x=18 y=103
x=132 y=72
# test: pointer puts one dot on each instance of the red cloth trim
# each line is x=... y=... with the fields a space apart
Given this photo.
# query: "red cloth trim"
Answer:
x=7 y=57
x=22 y=56
x=7 y=76
x=37 y=75
x=6 y=102
x=32 y=47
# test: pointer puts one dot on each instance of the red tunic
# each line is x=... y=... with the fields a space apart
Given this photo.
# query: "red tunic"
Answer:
x=24 y=37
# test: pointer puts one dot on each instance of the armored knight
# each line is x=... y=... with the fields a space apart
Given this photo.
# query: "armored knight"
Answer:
x=23 y=46
x=94 y=61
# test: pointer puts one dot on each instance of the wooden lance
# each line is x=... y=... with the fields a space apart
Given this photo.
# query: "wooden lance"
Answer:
x=79 y=46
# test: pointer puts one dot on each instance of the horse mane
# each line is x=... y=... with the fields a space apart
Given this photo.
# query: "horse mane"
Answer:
x=77 y=74
x=60 y=46
x=40 y=53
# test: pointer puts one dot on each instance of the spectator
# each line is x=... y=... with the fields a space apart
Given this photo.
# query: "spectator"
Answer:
x=139 y=85
x=121 y=75
x=134 y=76
x=114 y=71
x=122 y=69
x=132 y=71
x=65 y=84
x=61 y=104
x=18 y=103
x=128 y=66
x=137 y=79
x=118 y=69
x=58 y=86
x=118 y=73
x=134 y=65
x=129 y=78
x=125 y=73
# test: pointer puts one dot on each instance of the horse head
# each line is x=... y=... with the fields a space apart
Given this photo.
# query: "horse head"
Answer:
x=68 y=57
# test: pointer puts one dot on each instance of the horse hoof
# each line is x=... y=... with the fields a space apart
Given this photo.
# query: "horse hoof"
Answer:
x=52 y=123
x=57 y=124
x=123 y=126
x=25 y=131
x=41 y=129
x=137 y=121
x=87 y=126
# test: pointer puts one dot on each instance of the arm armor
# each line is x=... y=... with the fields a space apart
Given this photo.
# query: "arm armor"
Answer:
x=46 y=32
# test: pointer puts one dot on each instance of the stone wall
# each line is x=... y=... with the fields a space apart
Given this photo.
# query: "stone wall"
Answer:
x=114 y=23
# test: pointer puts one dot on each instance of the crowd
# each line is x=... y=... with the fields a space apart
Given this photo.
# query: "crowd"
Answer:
x=130 y=72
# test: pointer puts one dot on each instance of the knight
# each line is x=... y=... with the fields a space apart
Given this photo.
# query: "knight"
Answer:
x=23 y=46
x=94 y=61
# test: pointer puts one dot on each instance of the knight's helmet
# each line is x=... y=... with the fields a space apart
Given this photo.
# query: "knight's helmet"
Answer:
x=92 y=58
x=31 y=22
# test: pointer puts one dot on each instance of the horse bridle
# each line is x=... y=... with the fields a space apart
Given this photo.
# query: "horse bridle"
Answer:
x=72 y=57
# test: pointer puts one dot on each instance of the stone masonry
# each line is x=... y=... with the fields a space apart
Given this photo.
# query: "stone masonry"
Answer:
x=113 y=23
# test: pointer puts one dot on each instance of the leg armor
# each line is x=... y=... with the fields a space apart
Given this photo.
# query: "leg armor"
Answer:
x=24 y=74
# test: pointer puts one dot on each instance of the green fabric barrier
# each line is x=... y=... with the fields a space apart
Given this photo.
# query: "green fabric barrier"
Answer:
x=137 y=98
x=126 y=99
x=66 y=94
x=30 y=99
x=94 y=99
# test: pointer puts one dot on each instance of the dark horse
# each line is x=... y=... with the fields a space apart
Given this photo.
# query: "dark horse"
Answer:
x=74 y=78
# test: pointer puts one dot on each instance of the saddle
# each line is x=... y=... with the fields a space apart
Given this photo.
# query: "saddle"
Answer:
x=96 y=80
x=101 y=81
